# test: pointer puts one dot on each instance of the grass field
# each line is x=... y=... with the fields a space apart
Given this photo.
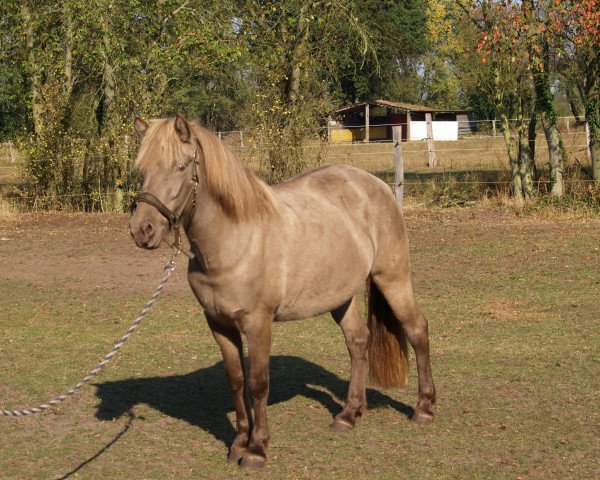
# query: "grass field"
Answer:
x=513 y=305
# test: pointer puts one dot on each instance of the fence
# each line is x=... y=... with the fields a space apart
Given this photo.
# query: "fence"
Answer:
x=472 y=167
x=9 y=155
x=475 y=160
x=8 y=152
x=474 y=152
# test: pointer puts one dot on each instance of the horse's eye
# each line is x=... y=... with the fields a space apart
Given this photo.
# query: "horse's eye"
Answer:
x=181 y=167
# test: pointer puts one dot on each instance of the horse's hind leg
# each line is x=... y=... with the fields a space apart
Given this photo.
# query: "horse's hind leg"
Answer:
x=397 y=290
x=230 y=343
x=357 y=335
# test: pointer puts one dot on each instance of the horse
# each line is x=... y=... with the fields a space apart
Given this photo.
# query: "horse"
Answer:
x=296 y=250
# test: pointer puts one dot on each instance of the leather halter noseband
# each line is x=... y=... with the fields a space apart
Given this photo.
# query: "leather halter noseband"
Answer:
x=150 y=199
x=174 y=217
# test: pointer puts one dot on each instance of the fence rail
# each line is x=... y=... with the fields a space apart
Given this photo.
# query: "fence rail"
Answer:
x=466 y=161
x=246 y=145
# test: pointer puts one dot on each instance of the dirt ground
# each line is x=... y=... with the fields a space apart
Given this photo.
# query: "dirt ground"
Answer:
x=95 y=251
x=78 y=251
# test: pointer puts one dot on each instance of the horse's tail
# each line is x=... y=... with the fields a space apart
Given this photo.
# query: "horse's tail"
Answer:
x=388 y=351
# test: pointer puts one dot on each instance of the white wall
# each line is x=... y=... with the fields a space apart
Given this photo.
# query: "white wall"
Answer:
x=442 y=130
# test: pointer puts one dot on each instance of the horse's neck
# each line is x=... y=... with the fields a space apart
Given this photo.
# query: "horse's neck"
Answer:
x=217 y=241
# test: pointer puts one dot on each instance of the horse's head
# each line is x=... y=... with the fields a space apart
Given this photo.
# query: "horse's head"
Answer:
x=169 y=162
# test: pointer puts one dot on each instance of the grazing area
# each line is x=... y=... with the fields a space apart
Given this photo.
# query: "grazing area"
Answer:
x=512 y=303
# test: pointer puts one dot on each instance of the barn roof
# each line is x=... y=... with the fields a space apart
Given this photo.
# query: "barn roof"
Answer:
x=397 y=105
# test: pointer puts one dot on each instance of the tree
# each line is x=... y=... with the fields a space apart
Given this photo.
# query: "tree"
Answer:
x=534 y=21
x=575 y=26
x=441 y=84
x=504 y=73
x=397 y=32
x=542 y=34
x=14 y=112
x=90 y=67
x=294 y=47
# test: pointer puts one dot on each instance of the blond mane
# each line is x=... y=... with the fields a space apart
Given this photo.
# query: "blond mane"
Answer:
x=241 y=194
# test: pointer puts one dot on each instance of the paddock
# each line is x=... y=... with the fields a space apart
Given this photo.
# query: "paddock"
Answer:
x=512 y=303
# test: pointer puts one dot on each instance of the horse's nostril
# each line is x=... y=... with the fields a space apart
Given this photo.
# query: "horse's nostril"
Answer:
x=148 y=230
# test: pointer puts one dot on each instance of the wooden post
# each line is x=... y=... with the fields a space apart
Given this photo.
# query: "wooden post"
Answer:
x=408 y=125
x=494 y=128
x=587 y=143
x=568 y=124
x=430 y=143
x=329 y=129
x=11 y=152
x=398 y=165
x=367 y=123
x=126 y=145
x=242 y=138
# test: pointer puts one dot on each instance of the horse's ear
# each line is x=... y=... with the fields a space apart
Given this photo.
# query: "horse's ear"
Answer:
x=183 y=129
x=141 y=126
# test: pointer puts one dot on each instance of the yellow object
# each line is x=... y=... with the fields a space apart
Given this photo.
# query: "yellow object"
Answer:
x=341 y=135
x=348 y=135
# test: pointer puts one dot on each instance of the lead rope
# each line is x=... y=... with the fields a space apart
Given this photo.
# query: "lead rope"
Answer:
x=169 y=267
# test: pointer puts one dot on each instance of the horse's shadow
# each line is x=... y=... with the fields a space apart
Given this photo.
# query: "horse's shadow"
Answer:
x=202 y=398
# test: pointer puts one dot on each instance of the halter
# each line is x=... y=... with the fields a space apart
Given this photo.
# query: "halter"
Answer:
x=174 y=217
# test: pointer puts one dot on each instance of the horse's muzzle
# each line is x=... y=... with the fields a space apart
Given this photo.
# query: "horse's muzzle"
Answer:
x=146 y=233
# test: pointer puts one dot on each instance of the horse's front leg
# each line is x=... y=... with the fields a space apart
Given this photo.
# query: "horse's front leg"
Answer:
x=258 y=335
x=230 y=343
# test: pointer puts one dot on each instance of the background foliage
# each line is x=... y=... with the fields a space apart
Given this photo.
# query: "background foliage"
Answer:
x=74 y=74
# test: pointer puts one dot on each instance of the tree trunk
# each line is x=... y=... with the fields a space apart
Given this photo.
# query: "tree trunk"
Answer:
x=108 y=81
x=34 y=81
x=298 y=57
x=69 y=79
x=544 y=98
x=508 y=140
x=525 y=159
x=531 y=135
x=592 y=117
x=545 y=104
x=595 y=152
x=574 y=104
x=512 y=157
x=555 y=155
x=68 y=52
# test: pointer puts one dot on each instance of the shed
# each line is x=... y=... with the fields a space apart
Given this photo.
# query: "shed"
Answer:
x=373 y=121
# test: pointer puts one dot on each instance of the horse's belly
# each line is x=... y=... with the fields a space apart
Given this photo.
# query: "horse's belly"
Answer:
x=311 y=306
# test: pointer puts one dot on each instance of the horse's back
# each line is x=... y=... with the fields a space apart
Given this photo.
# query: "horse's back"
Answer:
x=342 y=193
x=329 y=177
x=352 y=186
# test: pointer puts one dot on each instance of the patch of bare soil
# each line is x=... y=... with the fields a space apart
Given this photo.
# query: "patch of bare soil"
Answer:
x=81 y=251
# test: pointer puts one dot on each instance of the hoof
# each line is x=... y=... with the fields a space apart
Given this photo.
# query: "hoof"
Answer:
x=253 y=461
x=340 y=426
x=420 y=417
x=235 y=455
